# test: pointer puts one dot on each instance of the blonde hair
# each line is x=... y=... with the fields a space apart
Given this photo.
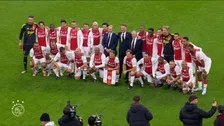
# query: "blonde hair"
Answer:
x=166 y=27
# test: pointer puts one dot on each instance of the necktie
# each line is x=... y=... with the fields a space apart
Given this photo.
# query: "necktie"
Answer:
x=122 y=37
x=132 y=44
x=109 y=37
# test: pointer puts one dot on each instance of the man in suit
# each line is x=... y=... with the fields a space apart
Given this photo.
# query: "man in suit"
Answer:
x=124 y=39
x=136 y=46
x=110 y=41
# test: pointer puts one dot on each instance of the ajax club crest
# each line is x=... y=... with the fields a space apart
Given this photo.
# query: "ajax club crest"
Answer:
x=18 y=108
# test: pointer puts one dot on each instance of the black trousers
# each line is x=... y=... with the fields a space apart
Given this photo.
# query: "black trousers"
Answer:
x=121 y=59
x=169 y=58
x=26 y=51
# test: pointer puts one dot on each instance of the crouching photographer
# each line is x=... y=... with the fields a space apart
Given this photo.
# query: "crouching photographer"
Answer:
x=70 y=118
x=95 y=120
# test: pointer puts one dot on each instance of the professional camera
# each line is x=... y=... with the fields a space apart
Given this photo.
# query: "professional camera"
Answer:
x=98 y=121
x=72 y=109
x=73 y=113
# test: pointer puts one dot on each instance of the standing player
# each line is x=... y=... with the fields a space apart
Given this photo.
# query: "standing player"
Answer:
x=41 y=34
x=63 y=33
x=97 y=36
x=129 y=66
x=61 y=61
x=187 y=56
x=187 y=78
x=87 y=40
x=148 y=64
x=159 y=42
x=75 y=37
x=177 y=49
x=203 y=63
x=112 y=63
x=27 y=33
x=161 y=72
x=97 y=63
x=173 y=79
x=150 y=43
x=37 y=57
x=142 y=34
x=52 y=34
x=80 y=65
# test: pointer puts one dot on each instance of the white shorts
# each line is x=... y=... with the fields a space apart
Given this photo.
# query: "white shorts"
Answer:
x=52 y=57
x=158 y=74
x=178 y=62
x=184 y=82
x=78 y=72
x=207 y=68
x=39 y=61
x=86 y=51
x=149 y=77
x=63 y=66
x=186 y=88
x=101 y=73
x=49 y=66
x=191 y=66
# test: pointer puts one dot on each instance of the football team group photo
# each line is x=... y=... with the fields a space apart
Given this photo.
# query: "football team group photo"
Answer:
x=112 y=63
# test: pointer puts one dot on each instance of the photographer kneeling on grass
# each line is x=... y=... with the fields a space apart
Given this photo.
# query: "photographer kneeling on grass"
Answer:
x=70 y=118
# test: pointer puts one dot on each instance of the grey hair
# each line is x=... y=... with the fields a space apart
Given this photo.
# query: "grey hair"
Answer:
x=134 y=32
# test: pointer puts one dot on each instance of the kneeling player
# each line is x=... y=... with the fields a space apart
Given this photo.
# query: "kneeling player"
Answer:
x=173 y=79
x=51 y=50
x=80 y=65
x=61 y=61
x=161 y=72
x=97 y=63
x=37 y=58
x=129 y=65
x=204 y=64
x=187 y=78
x=148 y=64
x=112 y=63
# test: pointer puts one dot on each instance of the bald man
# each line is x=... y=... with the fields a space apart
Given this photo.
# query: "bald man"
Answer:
x=80 y=64
x=97 y=63
x=110 y=41
x=187 y=78
x=97 y=35
x=173 y=79
x=136 y=46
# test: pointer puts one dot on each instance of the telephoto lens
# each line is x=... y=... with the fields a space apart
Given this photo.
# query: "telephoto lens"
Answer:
x=98 y=120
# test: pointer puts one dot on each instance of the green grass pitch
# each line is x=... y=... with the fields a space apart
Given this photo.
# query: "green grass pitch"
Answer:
x=201 y=21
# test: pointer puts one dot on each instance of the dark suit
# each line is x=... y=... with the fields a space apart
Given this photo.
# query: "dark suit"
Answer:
x=137 y=48
x=110 y=42
x=124 y=45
